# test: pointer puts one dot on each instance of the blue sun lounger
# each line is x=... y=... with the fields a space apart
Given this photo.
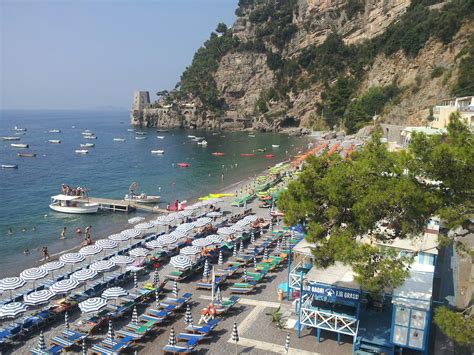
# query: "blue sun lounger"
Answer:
x=191 y=336
x=203 y=329
x=177 y=349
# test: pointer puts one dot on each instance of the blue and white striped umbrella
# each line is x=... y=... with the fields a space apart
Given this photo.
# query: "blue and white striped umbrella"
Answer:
x=201 y=242
x=234 y=251
x=215 y=238
x=235 y=333
x=66 y=320
x=251 y=218
x=52 y=265
x=218 y=296
x=114 y=292
x=106 y=244
x=175 y=289
x=139 y=252
x=156 y=278
x=252 y=237
x=172 y=337
x=177 y=234
x=131 y=233
x=11 y=283
x=236 y=228
x=93 y=304
x=33 y=274
x=241 y=247
x=135 y=316
x=186 y=227
x=190 y=250
x=287 y=343
x=143 y=227
x=38 y=297
x=71 y=258
x=167 y=239
x=12 y=309
x=186 y=213
x=110 y=332
x=154 y=244
x=265 y=254
x=84 y=275
x=135 y=220
x=41 y=347
x=254 y=261
x=207 y=270
x=102 y=265
x=220 y=261
x=90 y=250
x=214 y=214
x=181 y=262
x=64 y=286
x=200 y=222
x=192 y=207
x=245 y=275
x=188 y=316
x=225 y=231
x=122 y=259
x=119 y=237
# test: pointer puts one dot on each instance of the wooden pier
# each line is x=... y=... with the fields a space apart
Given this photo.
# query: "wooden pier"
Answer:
x=109 y=204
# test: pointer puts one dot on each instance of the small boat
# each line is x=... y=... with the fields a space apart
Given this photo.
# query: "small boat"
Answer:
x=27 y=155
x=197 y=139
x=54 y=131
x=203 y=143
x=192 y=137
x=87 y=133
x=183 y=165
x=130 y=130
x=275 y=145
x=9 y=166
x=160 y=137
x=82 y=151
x=90 y=137
x=268 y=156
x=142 y=198
x=16 y=128
x=261 y=150
x=140 y=137
x=162 y=130
x=157 y=152
x=119 y=139
x=87 y=145
x=54 y=141
x=72 y=204
x=19 y=145
x=252 y=135
x=140 y=133
x=11 y=138
x=218 y=154
x=247 y=155
x=20 y=133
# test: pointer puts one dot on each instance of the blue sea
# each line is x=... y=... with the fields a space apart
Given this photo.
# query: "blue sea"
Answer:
x=107 y=171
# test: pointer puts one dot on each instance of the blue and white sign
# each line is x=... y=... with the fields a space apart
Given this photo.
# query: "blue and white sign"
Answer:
x=333 y=294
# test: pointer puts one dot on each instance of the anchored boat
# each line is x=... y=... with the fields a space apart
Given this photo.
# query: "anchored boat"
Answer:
x=119 y=139
x=72 y=204
x=54 y=141
x=19 y=145
x=142 y=198
x=26 y=155
x=91 y=136
x=87 y=145
x=157 y=152
x=82 y=151
x=9 y=166
x=54 y=131
x=16 y=128
x=11 y=138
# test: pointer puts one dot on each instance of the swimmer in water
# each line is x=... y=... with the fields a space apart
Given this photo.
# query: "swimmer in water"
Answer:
x=23 y=229
x=26 y=252
x=63 y=233
x=34 y=229
x=10 y=231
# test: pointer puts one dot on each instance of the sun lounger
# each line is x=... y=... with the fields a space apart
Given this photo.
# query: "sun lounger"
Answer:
x=124 y=333
x=55 y=349
x=143 y=326
x=242 y=287
x=177 y=349
x=203 y=329
x=191 y=336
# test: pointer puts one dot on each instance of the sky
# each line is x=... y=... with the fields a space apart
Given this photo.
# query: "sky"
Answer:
x=70 y=54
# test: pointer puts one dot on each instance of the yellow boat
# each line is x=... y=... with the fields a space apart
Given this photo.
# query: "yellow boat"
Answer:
x=220 y=195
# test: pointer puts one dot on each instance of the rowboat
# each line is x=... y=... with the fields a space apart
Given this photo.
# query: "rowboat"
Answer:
x=54 y=141
x=157 y=152
x=87 y=133
x=27 y=155
x=87 y=145
x=20 y=133
x=19 y=145
x=183 y=165
x=218 y=154
x=11 y=138
x=160 y=137
x=90 y=137
x=247 y=155
x=54 y=131
x=261 y=150
x=119 y=139
x=9 y=166
x=82 y=151
x=16 y=128
x=72 y=204
x=275 y=145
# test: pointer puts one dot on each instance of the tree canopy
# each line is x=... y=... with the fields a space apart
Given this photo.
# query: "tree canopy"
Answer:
x=381 y=195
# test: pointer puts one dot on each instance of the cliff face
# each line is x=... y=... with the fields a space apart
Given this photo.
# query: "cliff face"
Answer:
x=277 y=66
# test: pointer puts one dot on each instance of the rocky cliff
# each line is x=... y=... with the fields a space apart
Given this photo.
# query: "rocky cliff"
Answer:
x=321 y=63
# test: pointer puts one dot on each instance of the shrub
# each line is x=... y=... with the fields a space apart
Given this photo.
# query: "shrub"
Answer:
x=437 y=72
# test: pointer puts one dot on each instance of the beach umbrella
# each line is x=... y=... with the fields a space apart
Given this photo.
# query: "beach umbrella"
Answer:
x=271 y=224
x=200 y=222
x=93 y=304
x=172 y=338
x=214 y=214
x=277 y=249
x=188 y=316
x=135 y=280
x=131 y=233
x=136 y=220
x=135 y=316
x=250 y=218
x=119 y=237
x=190 y=250
x=254 y=261
x=156 y=278
x=157 y=298
x=143 y=227
x=110 y=332
x=175 y=289
x=114 y=292
x=220 y=261
x=186 y=213
x=64 y=286
x=11 y=283
x=122 y=259
x=225 y=231
x=102 y=265
x=206 y=271
x=154 y=244
x=218 y=298
x=236 y=228
x=71 y=258
x=235 y=335
x=38 y=297
x=33 y=274
x=52 y=265
x=192 y=207
x=84 y=275
x=90 y=250
x=241 y=249
x=180 y=262
x=215 y=238
x=186 y=227
x=106 y=244
x=178 y=234
x=265 y=254
x=84 y=347
x=167 y=239
x=287 y=343
x=201 y=242
x=139 y=252
x=252 y=237
x=245 y=274
x=234 y=252
x=41 y=348
x=12 y=309
x=66 y=320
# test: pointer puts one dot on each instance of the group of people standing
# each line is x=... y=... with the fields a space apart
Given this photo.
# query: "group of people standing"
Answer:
x=68 y=190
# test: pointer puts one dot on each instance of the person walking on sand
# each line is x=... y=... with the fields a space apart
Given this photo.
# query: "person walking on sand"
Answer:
x=45 y=252
x=63 y=233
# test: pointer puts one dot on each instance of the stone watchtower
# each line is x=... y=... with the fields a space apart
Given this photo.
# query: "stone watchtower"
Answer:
x=141 y=101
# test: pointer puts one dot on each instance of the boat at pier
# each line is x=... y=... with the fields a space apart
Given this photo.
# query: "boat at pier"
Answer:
x=142 y=198
x=72 y=204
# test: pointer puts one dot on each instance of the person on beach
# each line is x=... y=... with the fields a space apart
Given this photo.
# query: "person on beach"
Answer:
x=63 y=233
x=45 y=252
x=87 y=241
x=88 y=231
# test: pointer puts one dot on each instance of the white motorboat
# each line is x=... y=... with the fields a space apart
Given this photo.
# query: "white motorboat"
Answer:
x=90 y=137
x=16 y=128
x=252 y=135
x=19 y=145
x=87 y=133
x=191 y=136
x=131 y=130
x=142 y=198
x=203 y=143
x=9 y=166
x=275 y=145
x=157 y=152
x=87 y=145
x=82 y=151
x=140 y=133
x=119 y=139
x=140 y=137
x=160 y=137
x=198 y=139
x=72 y=204
x=11 y=138
x=54 y=131
x=20 y=133
x=54 y=141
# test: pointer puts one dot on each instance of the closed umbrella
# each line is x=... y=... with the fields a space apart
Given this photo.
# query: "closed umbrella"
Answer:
x=135 y=280
x=33 y=274
x=41 y=347
x=218 y=298
x=38 y=297
x=11 y=283
x=139 y=252
x=188 y=316
x=172 y=338
x=220 y=261
x=156 y=278
x=84 y=347
x=110 y=332
x=93 y=304
x=12 y=309
x=175 y=289
x=190 y=250
x=64 y=286
x=255 y=262
x=241 y=249
x=265 y=254
x=181 y=262
x=252 y=237
x=206 y=271
x=135 y=316
x=287 y=343
x=234 y=252
x=66 y=320
x=235 y=335
x=245 y=274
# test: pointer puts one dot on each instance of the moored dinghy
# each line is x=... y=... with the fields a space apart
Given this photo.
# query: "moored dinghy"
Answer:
x=54 y=131
x=157 y=152
x=119 y=139
x=19 y=145
x=9 y=166
x=54 y=141
x=82 y=151
x=87 y=145
x=26 y=155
